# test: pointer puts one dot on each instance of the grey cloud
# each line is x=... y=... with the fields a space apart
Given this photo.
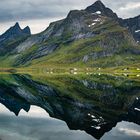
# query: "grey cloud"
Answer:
x=27 y=128
x=13 y=10
x=39 y=13
x=119 y=7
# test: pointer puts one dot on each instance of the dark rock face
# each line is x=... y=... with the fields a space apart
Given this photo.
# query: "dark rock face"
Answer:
x=15 y=31
x=99 y=6
x=11 y=101
x=13 y=37
x=133 y=25
x=27 y=30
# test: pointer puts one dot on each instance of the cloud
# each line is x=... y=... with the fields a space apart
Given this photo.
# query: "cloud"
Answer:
x=36 y=25
x=11 y=10
x=36 y=125
x=130 y=9
x=130 y=6
x=130 y=132
x=28 y=11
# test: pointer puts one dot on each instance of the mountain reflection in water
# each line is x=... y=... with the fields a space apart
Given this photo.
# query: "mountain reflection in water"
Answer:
x=91 y=103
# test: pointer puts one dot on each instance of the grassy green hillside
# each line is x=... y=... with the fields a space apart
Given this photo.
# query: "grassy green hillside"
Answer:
x=112 y=47
x=77 y=42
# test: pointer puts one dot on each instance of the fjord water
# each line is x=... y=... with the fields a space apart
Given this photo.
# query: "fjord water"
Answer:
x=72 y=107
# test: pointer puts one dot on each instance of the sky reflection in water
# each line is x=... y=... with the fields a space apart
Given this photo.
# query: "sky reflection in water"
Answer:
x=37 y=125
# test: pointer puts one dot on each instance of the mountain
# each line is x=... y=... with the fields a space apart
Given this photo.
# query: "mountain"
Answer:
x=13 y=37
x=133 y=25
x=15 y=31
x=101 y=8
x=94 y=37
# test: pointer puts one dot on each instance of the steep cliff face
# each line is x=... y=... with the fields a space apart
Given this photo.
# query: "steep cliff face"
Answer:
x=14 y=32
x=99 y=7
x=133 y=25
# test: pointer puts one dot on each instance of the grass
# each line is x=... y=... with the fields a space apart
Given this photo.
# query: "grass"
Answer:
x=71 y=86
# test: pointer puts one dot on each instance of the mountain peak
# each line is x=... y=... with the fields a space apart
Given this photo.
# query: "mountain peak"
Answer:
x=99 y=6
x=99 y=3
x=15 y=31
x=17 y=26
x=27 y=30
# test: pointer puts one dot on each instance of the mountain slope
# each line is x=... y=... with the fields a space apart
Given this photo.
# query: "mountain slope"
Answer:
x=91 y=37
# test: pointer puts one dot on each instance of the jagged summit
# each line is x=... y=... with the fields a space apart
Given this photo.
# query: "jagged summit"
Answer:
x=99 y=6
x=12 y=31
x=27 y=30
x=17 y=26
x=99 y=3
x=15 y=31
x=12 y=37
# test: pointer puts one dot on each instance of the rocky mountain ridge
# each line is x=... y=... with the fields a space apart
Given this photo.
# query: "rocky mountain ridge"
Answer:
x=109 y=35
x=13 y=37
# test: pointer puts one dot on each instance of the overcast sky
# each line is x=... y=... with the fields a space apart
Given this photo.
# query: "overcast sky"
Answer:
x=39 y=13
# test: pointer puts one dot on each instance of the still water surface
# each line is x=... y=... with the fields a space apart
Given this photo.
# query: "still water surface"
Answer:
x=81 y=108
x=37 y=125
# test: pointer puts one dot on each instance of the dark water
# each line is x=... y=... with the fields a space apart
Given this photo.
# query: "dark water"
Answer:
x=68 y=107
